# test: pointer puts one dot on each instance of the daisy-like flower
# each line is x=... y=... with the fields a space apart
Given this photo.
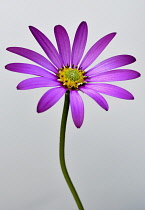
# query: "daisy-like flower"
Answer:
x=66 y=70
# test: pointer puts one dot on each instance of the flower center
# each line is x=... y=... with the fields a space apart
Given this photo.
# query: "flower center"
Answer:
x=71 y=78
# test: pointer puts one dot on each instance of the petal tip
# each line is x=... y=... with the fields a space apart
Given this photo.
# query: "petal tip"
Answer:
x=8 y=49
x=132 y=97
x=114 y=33
x=6 y=66
x=83 y=23
x=139 y=75
x=57 y=26
x=133 y=59
x=78 y=125
x=18 y=87
x=106 y=108
x=39 y=110
x=31 y=28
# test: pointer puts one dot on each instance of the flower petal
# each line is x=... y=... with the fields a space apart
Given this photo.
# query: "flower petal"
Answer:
x=37 y=82
x=50 y=98
x=96 y=96
x=33 y=56
x=114 y=75
x=47 y=46
x=79 y=43
x=111 y=63
x=77 y=108
x=96 y=50
x=112 y=90
x=63 y=44
x=29 y=69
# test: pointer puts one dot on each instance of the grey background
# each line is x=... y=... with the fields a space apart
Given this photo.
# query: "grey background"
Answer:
x=106 y=157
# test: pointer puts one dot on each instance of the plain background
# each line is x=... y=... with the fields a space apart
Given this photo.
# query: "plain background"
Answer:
x=106 y=157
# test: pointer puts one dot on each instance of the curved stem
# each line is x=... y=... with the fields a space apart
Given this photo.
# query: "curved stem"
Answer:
x=62 y=152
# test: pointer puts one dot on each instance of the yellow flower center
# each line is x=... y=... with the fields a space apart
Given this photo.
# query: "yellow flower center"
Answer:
x=71 y=78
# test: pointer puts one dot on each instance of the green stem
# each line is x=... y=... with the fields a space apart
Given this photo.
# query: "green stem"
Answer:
x=62 y=152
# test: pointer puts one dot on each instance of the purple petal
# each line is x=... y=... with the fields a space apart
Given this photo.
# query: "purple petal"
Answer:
x=29 y=69
x=111 y=63
x=47 y=46
x=50 y=98
x=96 y=96
x=79 y=43
x=37 y=82
x=112 y=90
x=63 y=44
x=77 y=108
x=96 y=50
x=33 y=56
x=114 y=75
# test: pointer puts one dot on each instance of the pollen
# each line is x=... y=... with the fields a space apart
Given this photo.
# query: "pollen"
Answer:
x=71 y=78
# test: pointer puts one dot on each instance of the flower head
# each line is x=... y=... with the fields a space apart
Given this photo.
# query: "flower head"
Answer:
x=67 y=71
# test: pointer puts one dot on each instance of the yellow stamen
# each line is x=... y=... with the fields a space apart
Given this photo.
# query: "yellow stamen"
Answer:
x=71 y=78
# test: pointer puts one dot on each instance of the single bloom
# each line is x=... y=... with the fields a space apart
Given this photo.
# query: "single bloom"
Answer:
x=66 y=70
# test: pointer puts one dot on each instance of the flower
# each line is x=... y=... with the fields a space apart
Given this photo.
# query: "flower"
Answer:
x=67 y=71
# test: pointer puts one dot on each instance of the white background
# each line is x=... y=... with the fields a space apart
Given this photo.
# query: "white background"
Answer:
x=106 y=157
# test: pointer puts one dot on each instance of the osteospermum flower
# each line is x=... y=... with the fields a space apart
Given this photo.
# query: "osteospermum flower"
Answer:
x=67 y=71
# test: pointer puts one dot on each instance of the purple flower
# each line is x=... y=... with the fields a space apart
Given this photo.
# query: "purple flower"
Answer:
x=67 y=71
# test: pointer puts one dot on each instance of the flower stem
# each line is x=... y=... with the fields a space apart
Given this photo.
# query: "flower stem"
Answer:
x=62 y=152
